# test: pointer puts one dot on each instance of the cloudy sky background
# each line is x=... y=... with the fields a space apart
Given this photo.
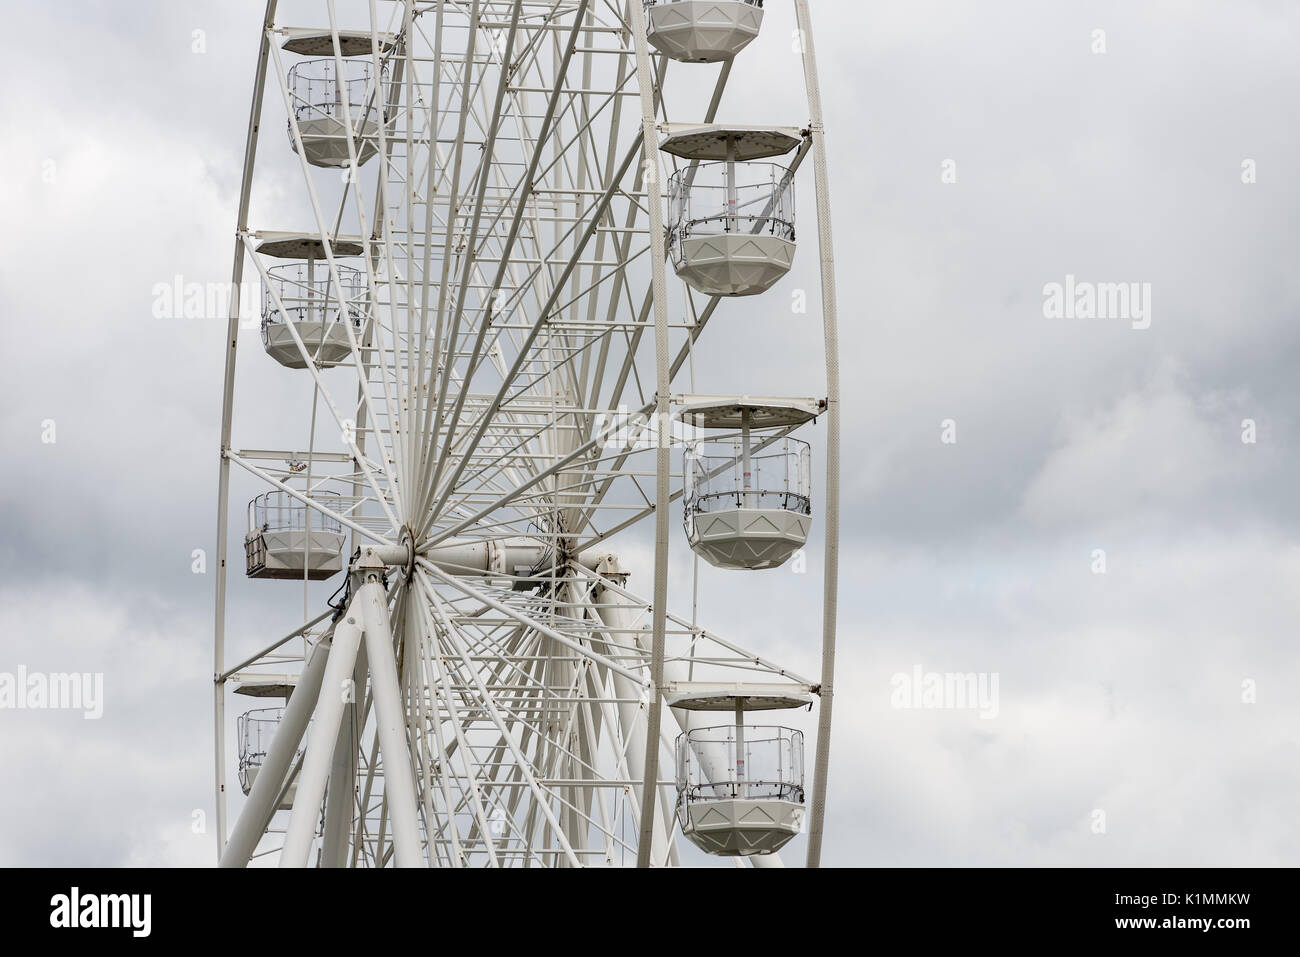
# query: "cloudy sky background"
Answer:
x=1119 y=692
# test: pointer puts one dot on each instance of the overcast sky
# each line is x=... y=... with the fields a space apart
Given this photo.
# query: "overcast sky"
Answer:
x=1160 y=693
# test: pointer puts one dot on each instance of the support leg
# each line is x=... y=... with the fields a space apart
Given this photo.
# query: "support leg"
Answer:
x=390 y=715
x=261 y=804
x=321 y=739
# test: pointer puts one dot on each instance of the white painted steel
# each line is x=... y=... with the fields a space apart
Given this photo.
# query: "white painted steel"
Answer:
x=703 y=31
x=489 y=424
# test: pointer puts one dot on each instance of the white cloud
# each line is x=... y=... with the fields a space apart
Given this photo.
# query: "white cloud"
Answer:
x=1154 y=451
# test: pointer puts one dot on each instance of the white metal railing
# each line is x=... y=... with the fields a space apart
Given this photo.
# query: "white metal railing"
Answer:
x=710 y=199
x=278 y=511
x=780 y=476
x=317 y=89
x=255 y=730
x=758 y=762
x=307 y=293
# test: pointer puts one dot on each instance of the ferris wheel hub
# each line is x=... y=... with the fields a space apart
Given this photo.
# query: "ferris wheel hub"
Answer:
x=407 y=540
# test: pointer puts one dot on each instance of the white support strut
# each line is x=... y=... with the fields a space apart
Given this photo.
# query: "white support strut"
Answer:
x=321 y=738
x=832 y=505
x=650 y=144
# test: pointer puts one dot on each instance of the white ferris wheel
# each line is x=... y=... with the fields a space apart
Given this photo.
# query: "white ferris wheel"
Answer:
x=494 y=212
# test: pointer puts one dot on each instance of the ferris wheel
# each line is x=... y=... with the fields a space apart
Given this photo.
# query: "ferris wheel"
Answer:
x=493 y=209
